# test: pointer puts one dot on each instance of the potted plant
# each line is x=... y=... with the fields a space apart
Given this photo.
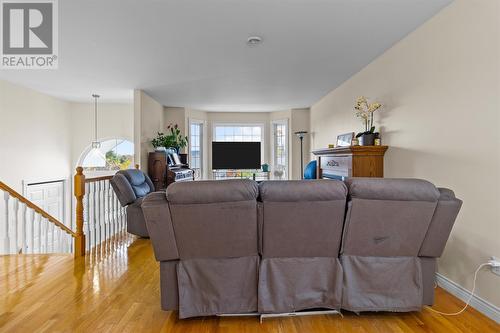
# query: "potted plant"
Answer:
x=365 y=110
x=179 y=141
x=173 y=139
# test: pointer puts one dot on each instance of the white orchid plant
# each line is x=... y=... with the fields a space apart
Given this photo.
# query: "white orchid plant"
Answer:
x=364 y=111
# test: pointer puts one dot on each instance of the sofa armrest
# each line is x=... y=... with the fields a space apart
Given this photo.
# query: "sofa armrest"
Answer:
x=159 y=223
x=123 y=189
x=441 y=224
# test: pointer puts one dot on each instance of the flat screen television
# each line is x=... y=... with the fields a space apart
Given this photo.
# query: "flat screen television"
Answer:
x=235 y=155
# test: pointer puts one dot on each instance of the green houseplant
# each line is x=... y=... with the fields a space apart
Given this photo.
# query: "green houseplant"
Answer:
x=173 y=139
x=364 y=111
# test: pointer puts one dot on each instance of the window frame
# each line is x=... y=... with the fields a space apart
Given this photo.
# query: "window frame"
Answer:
x=287 y=145
x=201 y=124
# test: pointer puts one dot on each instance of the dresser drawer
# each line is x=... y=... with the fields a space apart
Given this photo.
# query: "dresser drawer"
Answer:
x=336 y=162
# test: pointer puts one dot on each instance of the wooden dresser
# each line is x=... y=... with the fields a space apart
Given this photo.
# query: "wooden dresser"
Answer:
x=355 y=161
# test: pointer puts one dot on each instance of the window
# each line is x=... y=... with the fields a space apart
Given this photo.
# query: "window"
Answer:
x=195 y=148
x=280 y=149
x=238 y=133
x=118 y=153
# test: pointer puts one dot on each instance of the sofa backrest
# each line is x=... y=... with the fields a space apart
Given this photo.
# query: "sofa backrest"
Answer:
x=214 y=219
x=387 y=217
x=130 y=185
x=301 y=218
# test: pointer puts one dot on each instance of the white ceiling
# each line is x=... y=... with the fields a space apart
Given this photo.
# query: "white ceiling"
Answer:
x=193 y=53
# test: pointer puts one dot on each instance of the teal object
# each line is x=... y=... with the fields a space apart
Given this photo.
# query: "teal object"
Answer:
x=310 y=171
x=265 y=167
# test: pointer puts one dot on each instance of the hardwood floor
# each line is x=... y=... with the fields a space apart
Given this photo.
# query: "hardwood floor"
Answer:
x=117 y=290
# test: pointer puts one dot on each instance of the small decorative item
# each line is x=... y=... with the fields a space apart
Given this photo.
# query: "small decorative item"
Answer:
x=365 y=110
x=355 y=142
x=344 y=140
x=265 y=167
x=331 y=145
x=378 y=142
x=172 y=140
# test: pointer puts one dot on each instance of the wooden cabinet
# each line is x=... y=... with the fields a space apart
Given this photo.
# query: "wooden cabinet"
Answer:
x=157 y=169
x=355 y=161
x=162 y=174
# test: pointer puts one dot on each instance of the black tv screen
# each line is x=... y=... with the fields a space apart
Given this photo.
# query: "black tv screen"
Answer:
x=235 y=155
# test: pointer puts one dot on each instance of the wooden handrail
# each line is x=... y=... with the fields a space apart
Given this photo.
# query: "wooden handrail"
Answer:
x=37 y=209
x=97 y=179
x=101 y=178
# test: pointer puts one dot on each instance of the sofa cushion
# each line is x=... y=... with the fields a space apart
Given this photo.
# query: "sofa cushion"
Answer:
x=302 y=190
x=214 y=219
x=123 y=189
x=392 y=189
x=302 y=218
x=212 y=191
x=139 y=182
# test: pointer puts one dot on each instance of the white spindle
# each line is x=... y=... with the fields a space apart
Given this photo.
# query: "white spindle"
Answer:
x=87 y=215
x=6 y=239
x=32 y=232
x=108 y=215
x=15 y=208
x=96 y=213
x=52 y=232
x=102 y=212
x=24 y=245
x=46 y=235
x=115 y=213
x=59 y=240
x=39 y=226
x=124 y=218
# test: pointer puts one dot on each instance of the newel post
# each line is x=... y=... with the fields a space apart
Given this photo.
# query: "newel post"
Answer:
x=79 y=182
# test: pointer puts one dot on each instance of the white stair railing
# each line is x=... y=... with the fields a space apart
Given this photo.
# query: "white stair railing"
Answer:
x=26 y=228
x=103 y=216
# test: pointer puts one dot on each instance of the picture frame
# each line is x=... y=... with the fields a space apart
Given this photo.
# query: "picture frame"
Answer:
x=344 y=140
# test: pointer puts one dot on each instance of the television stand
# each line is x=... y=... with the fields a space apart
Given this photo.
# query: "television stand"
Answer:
x=257 y=175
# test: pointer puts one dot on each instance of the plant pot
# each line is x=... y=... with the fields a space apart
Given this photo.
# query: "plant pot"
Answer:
x=160 y=149
x=367 y=139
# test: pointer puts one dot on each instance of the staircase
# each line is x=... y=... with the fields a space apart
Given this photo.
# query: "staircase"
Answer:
x=28 y=229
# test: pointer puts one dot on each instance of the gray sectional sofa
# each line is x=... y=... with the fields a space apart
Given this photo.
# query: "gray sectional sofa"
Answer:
x=233 y=246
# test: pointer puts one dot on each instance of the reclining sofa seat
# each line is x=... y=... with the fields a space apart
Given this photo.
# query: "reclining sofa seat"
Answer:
x=131 y=186
x=205 y=236
x=394 y=230
x=300 y=225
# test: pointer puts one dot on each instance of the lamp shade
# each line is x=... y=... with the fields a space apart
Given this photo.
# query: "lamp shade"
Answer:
x=94 y=159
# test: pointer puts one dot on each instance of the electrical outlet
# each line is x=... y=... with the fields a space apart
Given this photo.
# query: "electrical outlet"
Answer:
x=495 y=265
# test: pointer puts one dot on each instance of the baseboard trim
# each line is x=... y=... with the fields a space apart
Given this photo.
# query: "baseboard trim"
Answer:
x=481 y=305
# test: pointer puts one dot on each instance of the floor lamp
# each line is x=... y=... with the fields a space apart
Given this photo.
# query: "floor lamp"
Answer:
x=300 y=135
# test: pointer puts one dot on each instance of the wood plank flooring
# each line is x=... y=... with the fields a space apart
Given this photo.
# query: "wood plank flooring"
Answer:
x=116 y=289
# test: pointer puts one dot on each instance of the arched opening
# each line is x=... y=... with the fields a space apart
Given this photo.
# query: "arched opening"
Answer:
x=118 y=154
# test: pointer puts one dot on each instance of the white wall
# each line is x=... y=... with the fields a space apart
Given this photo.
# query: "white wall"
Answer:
x=35 y=138
x=148 y=121
x=440 y=86
x=115 y=120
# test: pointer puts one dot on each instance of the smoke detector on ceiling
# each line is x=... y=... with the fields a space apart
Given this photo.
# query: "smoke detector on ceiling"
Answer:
x=254 y=40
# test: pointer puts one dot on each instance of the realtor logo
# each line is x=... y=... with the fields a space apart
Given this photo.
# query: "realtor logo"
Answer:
x=29 y=34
